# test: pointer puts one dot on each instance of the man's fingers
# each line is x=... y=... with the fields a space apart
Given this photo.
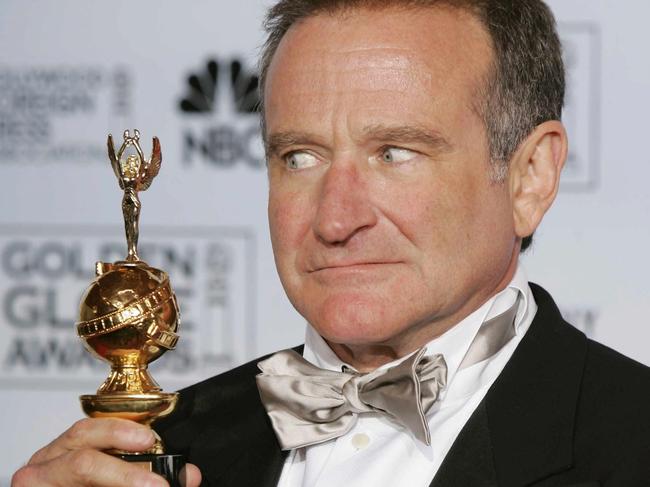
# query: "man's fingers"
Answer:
x=79 y=468
x=192 y=475
x=73 y=458
x=98 y=434
x=89 y=467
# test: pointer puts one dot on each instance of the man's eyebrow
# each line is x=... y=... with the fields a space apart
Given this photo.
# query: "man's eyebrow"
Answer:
x=277 y=142
x=406 y=134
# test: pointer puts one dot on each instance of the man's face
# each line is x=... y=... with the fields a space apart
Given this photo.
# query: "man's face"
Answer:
x=386 y=226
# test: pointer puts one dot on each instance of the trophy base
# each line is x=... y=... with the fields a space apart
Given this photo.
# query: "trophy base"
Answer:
x=171 y=467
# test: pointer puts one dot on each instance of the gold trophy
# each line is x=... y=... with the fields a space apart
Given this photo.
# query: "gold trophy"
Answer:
x=129 y=317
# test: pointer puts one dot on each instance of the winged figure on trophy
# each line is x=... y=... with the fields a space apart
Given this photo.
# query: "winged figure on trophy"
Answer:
x=134 y=174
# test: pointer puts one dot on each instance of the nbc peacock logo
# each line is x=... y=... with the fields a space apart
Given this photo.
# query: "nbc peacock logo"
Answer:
x=201 y=95
x=220 y=107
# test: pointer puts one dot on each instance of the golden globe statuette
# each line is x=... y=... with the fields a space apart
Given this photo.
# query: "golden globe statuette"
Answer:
x=128 y=317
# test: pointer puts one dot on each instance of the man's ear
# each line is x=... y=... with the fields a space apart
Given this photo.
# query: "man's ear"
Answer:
x=534 y=175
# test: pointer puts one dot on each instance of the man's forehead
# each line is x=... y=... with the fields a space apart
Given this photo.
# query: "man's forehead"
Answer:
x=378 y=67
x=362 y=52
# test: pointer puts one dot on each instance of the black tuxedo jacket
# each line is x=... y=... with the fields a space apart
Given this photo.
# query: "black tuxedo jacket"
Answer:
x=565 y=411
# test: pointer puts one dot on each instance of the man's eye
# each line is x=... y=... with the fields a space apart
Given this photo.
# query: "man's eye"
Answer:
x=392 y=155
x=300 y=160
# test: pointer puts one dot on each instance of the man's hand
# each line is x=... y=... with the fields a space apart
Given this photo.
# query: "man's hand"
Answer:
x=75 y=458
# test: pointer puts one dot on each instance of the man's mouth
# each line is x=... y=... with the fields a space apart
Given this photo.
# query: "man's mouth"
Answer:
x=352 y=266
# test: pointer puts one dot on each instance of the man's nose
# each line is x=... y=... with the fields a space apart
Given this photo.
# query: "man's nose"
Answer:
x=344 y=205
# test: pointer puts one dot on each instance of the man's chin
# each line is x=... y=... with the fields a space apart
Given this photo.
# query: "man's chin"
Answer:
x=357 y=317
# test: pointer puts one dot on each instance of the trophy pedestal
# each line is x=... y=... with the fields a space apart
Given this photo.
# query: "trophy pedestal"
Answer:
x=171 y=467
x=142 y=408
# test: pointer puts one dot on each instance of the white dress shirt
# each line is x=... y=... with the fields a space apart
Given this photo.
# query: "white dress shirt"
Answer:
x=377 y=451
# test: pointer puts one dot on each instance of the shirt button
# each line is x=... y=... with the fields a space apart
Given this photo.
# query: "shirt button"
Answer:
x=360 y=441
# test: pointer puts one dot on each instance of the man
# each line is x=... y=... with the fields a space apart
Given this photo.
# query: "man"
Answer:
x=413 y=148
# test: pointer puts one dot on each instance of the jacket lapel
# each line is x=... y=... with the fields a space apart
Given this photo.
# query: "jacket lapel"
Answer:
x=523 y=429
x=532 y=406
x=470 y=460
x=248 y=455
x=221 y=426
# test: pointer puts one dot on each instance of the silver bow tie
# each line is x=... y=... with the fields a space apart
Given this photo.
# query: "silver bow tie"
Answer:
x=309 y=405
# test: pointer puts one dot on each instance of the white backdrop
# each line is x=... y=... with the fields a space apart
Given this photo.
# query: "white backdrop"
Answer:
x=72 y=71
